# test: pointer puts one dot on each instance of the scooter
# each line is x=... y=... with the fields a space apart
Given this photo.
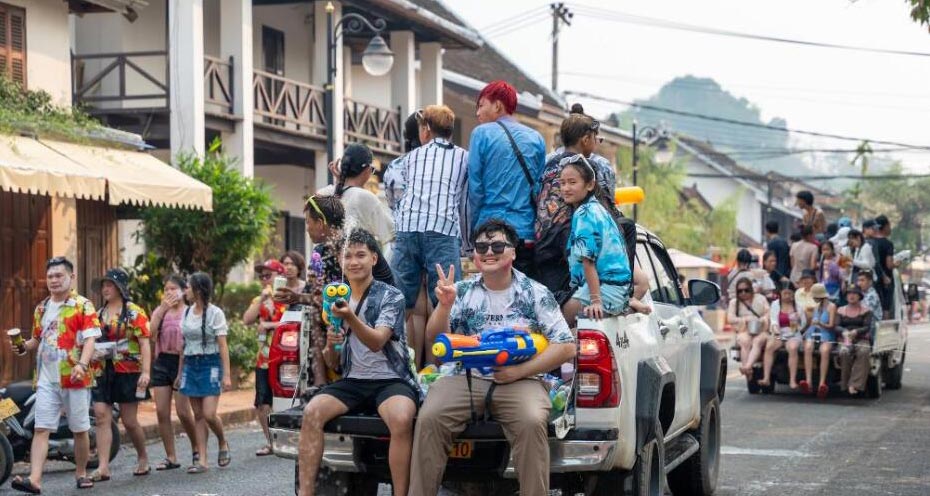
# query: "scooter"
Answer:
x=17 y=420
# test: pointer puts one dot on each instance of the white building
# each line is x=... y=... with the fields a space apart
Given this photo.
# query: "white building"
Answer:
x=252 y=72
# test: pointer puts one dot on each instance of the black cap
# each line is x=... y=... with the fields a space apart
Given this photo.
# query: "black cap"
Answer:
x=119 y=277
x=808 y=273
x=856 y=290
x=869 y=224
x=356 y=158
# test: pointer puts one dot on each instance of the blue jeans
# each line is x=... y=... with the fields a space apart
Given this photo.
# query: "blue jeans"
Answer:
x=416 y=253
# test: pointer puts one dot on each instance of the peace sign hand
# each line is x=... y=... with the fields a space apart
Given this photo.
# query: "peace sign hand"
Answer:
x=445 y=286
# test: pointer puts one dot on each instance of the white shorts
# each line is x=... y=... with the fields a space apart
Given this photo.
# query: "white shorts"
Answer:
x=51 y=400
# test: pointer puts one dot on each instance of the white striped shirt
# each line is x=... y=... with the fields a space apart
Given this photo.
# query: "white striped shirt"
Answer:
x=436 y=194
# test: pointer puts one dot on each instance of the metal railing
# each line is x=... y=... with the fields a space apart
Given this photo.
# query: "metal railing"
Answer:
x=218 y=85
x=100 y=88
x=377 y=127
x=288 y=104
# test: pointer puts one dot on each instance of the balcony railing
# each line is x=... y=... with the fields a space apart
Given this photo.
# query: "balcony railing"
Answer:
x=128 y=80
x=217 y=85
x=377 y=127
x=288 y=104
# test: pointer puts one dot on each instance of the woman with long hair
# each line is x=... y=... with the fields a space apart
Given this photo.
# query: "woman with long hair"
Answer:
x=124 y=356
x=829 y=272
x=786 y=319
x=855 y=324
x=748 y=313
x=169 y=345
x=205 y=366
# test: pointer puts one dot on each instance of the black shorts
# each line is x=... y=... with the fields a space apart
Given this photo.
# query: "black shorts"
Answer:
x=263 y=393
x=366 y=395
x=165 y=370
x=116 y=388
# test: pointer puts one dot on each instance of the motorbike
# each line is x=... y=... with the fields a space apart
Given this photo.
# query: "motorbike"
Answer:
x=17 y=419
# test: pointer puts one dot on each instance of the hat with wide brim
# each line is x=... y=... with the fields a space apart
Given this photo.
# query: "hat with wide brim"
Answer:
x=819 y=291
x=119 y=278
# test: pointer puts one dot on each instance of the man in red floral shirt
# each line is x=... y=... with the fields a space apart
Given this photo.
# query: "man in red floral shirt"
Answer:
x=64 y=329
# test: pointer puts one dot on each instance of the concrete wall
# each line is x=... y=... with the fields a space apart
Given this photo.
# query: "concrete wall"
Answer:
x=370 y=89
x=718 y=190
x=48 y=49
x=296 y=21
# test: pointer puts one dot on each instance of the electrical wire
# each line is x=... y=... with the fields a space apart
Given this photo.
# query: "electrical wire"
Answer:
x=522 y=15
x=516 y=26
x=744 y=123
x=612 y=15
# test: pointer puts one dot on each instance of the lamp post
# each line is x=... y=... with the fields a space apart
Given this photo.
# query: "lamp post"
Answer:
x=377 y=59
x=648 y=133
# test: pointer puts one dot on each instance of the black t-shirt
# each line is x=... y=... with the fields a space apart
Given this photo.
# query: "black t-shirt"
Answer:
x=782 y=256
x=882 y=248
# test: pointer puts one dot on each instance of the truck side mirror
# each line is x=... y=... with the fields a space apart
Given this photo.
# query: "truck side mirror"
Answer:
x=703 y=292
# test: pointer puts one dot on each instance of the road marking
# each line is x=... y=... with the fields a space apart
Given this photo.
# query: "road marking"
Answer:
x=730 y=450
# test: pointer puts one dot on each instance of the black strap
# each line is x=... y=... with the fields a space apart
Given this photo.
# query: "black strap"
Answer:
x=487 y=402
x=747 y=307
x=471 y=399
x=522 y=160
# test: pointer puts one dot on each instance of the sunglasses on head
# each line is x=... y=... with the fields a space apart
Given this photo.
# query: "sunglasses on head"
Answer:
x=497 y=247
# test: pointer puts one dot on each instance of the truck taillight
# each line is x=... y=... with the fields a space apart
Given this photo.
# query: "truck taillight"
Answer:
x=597 y=377
x=290 y=339
x=284 y=359
x=289 y=374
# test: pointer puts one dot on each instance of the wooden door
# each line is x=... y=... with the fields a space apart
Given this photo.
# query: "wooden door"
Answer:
x=98 y=248
x=25 y=245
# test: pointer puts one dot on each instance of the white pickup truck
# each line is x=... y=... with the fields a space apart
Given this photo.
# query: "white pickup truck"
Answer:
x=644 y=416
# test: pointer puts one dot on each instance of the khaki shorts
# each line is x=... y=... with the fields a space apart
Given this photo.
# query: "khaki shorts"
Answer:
x=52 y=400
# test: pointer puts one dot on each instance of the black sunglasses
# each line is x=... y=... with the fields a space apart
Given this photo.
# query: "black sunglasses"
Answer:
x=497 y=247
x=744 y=290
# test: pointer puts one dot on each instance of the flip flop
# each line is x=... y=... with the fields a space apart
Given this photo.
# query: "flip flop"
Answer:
x=147 y=471
x=805 y=387
x=822 y=391
x=264 y=451
x=195 y=458
x=167 y=464
x=98 y=477
x=223 y=459
x=85 y=483
x=196 y=469
x=25 y=486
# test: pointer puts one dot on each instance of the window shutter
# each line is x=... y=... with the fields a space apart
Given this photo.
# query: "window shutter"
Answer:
x=13 y=43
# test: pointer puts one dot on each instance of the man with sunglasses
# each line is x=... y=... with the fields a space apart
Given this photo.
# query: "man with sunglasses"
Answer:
x=499 y=297
x=65 y=326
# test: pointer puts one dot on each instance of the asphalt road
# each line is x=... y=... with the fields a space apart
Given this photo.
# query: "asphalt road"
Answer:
x=772 y=445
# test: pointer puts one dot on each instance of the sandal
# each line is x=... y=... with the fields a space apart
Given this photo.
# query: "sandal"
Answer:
x=85 y=483
x=195 y=458
x=805 y=387
x=147 y=471
x=196 y=469
x=264 y=451
x=167 y=464
x=822 y=391
x=98 y=477
x=223 y=459
x=25 y=486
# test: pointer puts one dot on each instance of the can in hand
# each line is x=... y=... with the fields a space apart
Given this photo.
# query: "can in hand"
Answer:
x=140 y=393
x=16 y=339
x=279 y=282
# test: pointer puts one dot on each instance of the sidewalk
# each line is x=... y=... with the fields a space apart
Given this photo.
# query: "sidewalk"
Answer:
x=236 y=407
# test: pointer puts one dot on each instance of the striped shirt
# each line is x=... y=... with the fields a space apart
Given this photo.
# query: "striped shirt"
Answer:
x=436 y=194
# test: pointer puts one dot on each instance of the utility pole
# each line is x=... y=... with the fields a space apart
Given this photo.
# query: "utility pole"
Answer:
x=559 y=13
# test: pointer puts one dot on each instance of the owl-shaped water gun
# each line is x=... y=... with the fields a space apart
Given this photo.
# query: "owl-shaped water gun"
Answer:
x=337 y=294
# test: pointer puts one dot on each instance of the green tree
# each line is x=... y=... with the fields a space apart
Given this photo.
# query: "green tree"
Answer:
x=214 y=242
x=684 y=225
x=920 y=11
x=905 y=200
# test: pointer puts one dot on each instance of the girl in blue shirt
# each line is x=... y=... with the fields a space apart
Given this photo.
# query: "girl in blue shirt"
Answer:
x=598 y=263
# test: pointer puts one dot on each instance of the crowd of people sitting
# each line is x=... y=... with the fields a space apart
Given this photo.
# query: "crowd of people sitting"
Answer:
x=828 y=286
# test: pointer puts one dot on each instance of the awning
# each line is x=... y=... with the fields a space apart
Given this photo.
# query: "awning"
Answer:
x=682 y=260
x=138 y=178
x=28 y=166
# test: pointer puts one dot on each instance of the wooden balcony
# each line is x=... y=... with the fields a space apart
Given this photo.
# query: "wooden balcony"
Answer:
x=131 y=91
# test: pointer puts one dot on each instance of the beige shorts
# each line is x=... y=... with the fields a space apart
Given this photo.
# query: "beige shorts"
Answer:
x=52 y=400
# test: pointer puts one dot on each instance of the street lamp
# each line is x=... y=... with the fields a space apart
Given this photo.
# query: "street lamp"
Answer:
x=646 y=133
x=377 y=59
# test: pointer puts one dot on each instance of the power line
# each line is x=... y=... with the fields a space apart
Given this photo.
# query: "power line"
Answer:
x=743 y=123
x=612 y=15
x=522 y=15
x=516 y=25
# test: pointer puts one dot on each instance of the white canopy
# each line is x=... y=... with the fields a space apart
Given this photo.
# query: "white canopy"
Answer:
x=683 y=260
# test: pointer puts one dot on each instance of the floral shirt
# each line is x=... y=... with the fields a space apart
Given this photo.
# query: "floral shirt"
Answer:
x=126 y=333
x=77 y=321
x=874 y=304
x=531 y=306
x=266 y=314
x=596 y=237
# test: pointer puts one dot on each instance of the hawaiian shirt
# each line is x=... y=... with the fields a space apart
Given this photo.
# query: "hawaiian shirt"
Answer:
x=77 y=321
x=126 y=333
x=384 y=307
x=873 y=303
x=266 y=314
x=532 y=307
x=395 y=181
x=596 y=237
x=553 y=215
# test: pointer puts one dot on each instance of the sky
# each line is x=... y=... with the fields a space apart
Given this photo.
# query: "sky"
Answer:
x=853 y=93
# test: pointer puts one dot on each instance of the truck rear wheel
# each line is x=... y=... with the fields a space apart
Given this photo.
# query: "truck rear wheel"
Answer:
x=893 y=377
x=648 y=476
x=873 y=387
x=698 y=475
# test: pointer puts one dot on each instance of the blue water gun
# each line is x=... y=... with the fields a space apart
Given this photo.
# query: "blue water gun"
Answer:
x=337 y=294
x=492 y=348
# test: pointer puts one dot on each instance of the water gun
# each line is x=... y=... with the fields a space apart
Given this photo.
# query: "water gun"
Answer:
x=492 y=348
x=335 y=294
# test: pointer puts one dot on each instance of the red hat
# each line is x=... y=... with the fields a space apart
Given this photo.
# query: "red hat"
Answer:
x=270 y=264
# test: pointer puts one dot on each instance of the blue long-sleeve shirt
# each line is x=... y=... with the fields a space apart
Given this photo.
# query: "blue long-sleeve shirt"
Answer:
x=497 y=186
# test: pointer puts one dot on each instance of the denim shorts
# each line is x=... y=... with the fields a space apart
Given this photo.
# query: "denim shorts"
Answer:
x=614 y=298
x=201 y=376
x=825 y=335
x=416 y=253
